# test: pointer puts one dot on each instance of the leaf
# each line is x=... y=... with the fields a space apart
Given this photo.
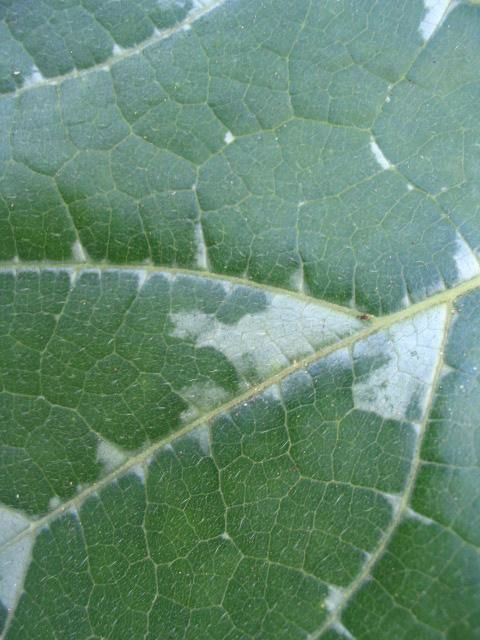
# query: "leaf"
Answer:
x=239 y=331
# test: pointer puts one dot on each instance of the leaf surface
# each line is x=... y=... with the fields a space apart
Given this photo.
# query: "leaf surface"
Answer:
x=239 y=332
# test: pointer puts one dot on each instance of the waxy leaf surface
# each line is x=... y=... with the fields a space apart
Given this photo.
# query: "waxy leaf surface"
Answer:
x=239 y=320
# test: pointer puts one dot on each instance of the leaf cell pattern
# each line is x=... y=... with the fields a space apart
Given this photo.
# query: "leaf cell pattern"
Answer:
x=239 y=333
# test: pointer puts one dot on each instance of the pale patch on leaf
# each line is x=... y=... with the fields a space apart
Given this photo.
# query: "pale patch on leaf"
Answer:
x=15 y=558
x=334 y=599
x=11 y=523
x=201 y=255
x=142 y=277
x=109 y=456
x=78 y=252
x=206 y=4
x=394 y=501
x=402 y=364
x=54 y=503
x=202 y=438
x=267 y=340
x=297 y=280
x=201 y=397
x=414 y=515
x=342 y=630
x=379 y=156
x=35 y=77
x=465 y=260
x=273 y=393
x=139 y=470
x=435 y=13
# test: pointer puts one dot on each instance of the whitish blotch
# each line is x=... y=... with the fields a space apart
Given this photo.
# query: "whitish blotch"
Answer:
x=414 y=515
x=142 y=276
x=342 y=630
x=201 y=255
x=269 y=340
x=54 y=503
x=465 y=261
x=139 y=470
x=14 y=558
x=202 y=438
x=379 y=156
x=201 y=396
x=35 y=77
x=78 y=252
x=334 y=599
x=395 y=368
x=435 y=13
x=297 y=279
x=395 y=501
x=109 y=456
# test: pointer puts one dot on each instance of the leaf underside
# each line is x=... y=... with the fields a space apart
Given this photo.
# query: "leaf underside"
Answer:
x=239 y=328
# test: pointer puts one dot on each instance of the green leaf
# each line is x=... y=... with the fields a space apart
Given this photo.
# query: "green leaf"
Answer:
x=239 y=329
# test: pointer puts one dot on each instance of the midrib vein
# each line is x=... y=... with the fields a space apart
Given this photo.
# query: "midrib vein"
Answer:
x=375 y=325
x=79 y=267
x=446 y=295
x=365 y=573
x=127 y=52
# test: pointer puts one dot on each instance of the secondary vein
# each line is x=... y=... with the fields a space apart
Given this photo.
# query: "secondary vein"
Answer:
x=376 y=325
